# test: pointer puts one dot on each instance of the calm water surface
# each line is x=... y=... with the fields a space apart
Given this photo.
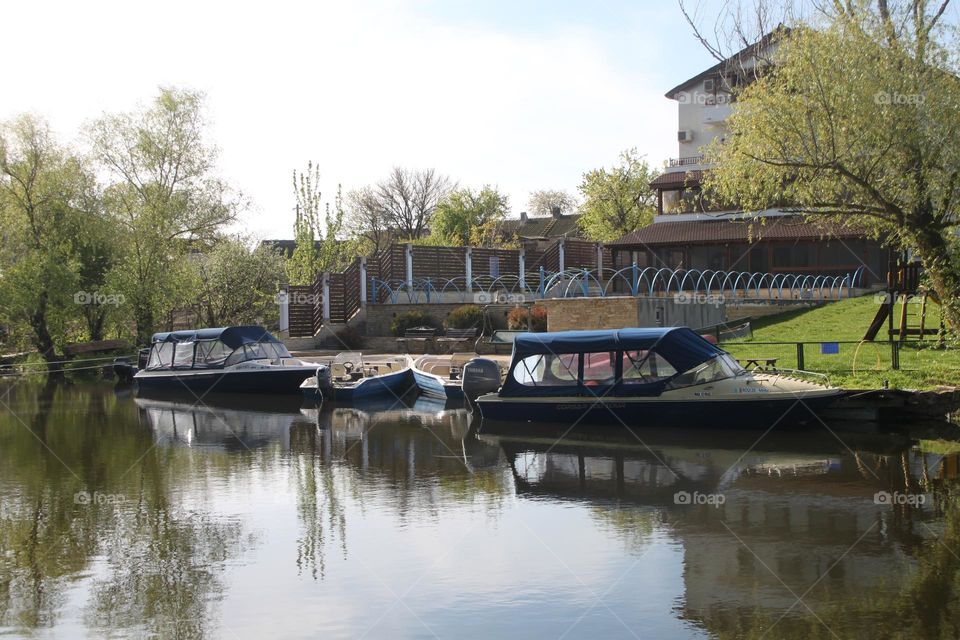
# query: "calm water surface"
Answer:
x=253 y=518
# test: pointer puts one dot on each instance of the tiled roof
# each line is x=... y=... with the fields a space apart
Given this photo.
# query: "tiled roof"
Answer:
x=543 y=226
x=677 y=179
x=723 y=231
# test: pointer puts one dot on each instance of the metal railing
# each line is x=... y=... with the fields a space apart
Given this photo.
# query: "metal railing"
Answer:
x=632 y=280
x=685 y=161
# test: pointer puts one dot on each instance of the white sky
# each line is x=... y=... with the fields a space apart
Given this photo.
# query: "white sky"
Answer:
x=522 y=95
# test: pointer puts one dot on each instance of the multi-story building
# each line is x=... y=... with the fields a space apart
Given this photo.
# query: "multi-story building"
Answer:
x=689 y=231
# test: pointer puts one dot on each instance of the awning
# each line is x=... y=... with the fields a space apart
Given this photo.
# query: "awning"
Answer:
x=233 y=337
x=677 y=179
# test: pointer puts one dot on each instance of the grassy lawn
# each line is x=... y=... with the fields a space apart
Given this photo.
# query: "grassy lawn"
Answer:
x=864 y=366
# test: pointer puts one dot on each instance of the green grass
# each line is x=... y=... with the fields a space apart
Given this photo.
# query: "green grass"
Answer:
x=863 y=366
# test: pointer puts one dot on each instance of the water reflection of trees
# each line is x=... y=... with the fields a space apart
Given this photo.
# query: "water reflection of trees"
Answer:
x=420 y=459
x=153 y=564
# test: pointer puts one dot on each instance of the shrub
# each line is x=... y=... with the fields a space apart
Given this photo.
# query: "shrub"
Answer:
x=408 y=320
x=517 y=319
x=350 y=338
x=466 y=317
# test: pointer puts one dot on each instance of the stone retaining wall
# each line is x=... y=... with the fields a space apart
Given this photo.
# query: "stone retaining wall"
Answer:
x=617 y=312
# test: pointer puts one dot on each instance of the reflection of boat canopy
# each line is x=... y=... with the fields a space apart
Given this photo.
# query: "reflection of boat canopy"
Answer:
x=213 y=348
x=648 y=360
x=218 y=426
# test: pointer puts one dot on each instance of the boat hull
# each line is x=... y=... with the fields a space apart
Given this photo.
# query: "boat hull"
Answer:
x=273 y=381
x=436 y=387
x=630 y=412
x=377 y=387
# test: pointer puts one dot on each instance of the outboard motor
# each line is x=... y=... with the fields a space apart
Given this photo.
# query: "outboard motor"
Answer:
x=480 y=376
x=324 y=381
x=124 y=369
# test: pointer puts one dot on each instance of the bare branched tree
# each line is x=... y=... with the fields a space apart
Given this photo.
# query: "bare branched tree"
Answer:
x=366 y=221
x=399 y=207
x=409 y=197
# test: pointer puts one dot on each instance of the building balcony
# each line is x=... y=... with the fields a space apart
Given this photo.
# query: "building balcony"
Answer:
x=685 y=161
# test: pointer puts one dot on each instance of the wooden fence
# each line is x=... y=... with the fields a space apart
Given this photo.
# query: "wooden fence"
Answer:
x=440 y=266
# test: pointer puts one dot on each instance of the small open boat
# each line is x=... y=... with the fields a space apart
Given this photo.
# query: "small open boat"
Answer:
x=634 y=377
x=441 y=376
x=228 y=360
x=350 y=378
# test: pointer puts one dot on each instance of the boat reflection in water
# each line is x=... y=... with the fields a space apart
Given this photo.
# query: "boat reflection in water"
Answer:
x=220 y=421
x=762 y=523
x=737 y=527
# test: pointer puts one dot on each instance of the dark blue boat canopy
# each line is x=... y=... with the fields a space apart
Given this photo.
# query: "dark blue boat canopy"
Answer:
x=620 y=362
x=681 y=347
x=233 y=337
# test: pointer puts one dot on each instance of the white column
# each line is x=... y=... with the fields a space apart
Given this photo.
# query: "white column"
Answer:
x=468 y=267
x=599 y=261
x=284 y=300
x=522 y=266
x=562 y=266
x=326 y=297
x=409 y=255
x=363 y=282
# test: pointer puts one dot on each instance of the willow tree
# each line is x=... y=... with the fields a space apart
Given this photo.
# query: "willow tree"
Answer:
x=856 y=119
x=42 y=189
x=618 y=200
x=164 y=196
x=467 y=216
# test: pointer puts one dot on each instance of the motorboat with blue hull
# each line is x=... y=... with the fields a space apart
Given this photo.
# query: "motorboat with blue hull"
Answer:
x=638 y=377
x=245 y=359
x=351 y=378
x=440 y=376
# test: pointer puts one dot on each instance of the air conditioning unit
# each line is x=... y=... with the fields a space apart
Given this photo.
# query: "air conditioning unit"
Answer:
x=684 y=135
x=708 y=85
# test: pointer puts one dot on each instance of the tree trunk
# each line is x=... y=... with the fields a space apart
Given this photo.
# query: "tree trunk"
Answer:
x=42 y=339
x=144 y=320
x=96 y=318
x=944 y=274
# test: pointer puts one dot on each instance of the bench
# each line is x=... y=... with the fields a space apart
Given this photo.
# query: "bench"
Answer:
x=422 y=336
x=758 y=363
x=80 y=348
x=454 y=337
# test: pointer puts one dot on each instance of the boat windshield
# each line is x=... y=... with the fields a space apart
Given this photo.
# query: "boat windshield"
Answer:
x=211 y=354
x=721 y=367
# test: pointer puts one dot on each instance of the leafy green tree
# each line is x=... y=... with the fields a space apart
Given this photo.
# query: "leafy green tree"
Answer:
x=617 y=201
x=463 y=215
x=544 y=201
x=164 y=198
x=856 y=121
x=97 y=250
x=237 y=283
x=41 y=200
x=333 y=251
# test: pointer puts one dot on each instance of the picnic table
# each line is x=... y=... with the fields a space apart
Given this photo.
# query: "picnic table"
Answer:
x=758 y=363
